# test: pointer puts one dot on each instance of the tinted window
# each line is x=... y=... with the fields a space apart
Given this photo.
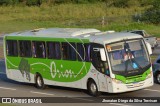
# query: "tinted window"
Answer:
x=101 y=66
x=158 y=61
x=25 y=48
x=68 y=51
x=54 y=51
x=72 y=48
x=38 y=49
x=84 y=51
x=11 y=48
x=87 y=52
x=80 y=49
x=65 y=54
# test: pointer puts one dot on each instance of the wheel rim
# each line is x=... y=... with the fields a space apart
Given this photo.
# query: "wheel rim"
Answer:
x=93 y=88
x=158 y=78
x=39 y=81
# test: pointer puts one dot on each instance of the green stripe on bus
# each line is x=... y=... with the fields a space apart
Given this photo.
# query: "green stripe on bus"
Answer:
x=56 y=70
x=133 y=79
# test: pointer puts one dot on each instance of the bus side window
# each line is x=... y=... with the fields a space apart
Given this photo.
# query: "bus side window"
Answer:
x=25 y=49
x=84 y=51
x=12 y=49
x=72 y=51
x=38 y=49
x=65 y=54
x=101 y=66
x=87 y=47
x=80 y=49
x=68 y=51
x=53 y=49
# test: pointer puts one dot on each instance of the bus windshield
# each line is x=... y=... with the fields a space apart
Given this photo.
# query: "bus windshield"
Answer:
x=128 y=56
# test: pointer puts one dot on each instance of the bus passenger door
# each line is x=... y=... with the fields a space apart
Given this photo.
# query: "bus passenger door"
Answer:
x=102 y=69
x=102 y=77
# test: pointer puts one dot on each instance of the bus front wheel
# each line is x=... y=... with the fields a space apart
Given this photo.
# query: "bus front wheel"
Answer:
x=39 y=82
x=92 y=88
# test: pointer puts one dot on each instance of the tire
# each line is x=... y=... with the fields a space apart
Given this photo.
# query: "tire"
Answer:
x=158 y=77
x=92 y=88
x=39 y=82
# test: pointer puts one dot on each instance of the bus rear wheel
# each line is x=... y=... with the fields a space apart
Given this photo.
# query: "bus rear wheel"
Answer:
x=39 y=82
x=158 y=78
x=92 y=88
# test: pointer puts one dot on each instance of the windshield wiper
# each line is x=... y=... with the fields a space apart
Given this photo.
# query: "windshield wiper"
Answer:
x=129 y=57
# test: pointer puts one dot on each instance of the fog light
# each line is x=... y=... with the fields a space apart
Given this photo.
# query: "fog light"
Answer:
x=117 y=81
x=149 y=75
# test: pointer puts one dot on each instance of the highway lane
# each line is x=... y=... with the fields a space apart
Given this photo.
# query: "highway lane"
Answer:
x=9 y=88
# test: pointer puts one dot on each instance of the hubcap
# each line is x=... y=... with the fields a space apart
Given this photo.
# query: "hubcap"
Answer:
x=93 y=88
x=158 y=78
x=39 y=81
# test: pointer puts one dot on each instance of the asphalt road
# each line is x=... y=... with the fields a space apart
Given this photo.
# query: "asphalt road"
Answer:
x=10 y=88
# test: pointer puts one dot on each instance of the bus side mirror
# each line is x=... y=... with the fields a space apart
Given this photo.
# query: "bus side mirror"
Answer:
x=149 y=48
x=103 y=55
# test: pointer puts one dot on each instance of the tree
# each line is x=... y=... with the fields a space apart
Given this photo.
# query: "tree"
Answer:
x=152 y=15
x=8 y=2
x=122 y=3
x=146 y=2
x=33 y=2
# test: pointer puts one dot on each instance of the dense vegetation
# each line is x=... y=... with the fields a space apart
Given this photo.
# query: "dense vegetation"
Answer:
x=16 y=15
x=152 y=15
x=116 y=3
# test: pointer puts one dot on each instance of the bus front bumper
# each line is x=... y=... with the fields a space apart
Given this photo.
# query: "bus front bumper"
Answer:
x=119 y=88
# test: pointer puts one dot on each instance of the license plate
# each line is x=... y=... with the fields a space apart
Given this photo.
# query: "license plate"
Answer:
x=136 y=84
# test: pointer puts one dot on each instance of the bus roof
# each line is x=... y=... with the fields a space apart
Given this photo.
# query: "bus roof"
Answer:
x=93 y=35
x=113 y=37
x=55 y=32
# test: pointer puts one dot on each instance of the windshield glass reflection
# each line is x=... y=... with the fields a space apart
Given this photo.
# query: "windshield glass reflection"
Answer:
x=128 y=55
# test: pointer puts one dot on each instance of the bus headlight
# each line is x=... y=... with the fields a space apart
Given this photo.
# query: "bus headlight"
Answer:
x=149 y=75
x=117 y=81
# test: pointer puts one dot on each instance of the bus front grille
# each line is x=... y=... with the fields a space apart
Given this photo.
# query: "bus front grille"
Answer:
x=134 y=85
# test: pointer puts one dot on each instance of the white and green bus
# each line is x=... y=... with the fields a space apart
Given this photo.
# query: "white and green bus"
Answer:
x=79 y=58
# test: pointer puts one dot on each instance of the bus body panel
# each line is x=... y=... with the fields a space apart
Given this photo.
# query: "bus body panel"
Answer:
x=74 y=74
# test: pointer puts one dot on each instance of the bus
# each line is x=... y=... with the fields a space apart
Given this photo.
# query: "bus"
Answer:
x=79 y=58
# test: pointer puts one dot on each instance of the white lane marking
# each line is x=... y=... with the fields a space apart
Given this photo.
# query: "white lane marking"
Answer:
x=2 y=73
x=152 y=90
x=79 y=98
x=7 y=88
x=119 y=104
x=42 y=93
